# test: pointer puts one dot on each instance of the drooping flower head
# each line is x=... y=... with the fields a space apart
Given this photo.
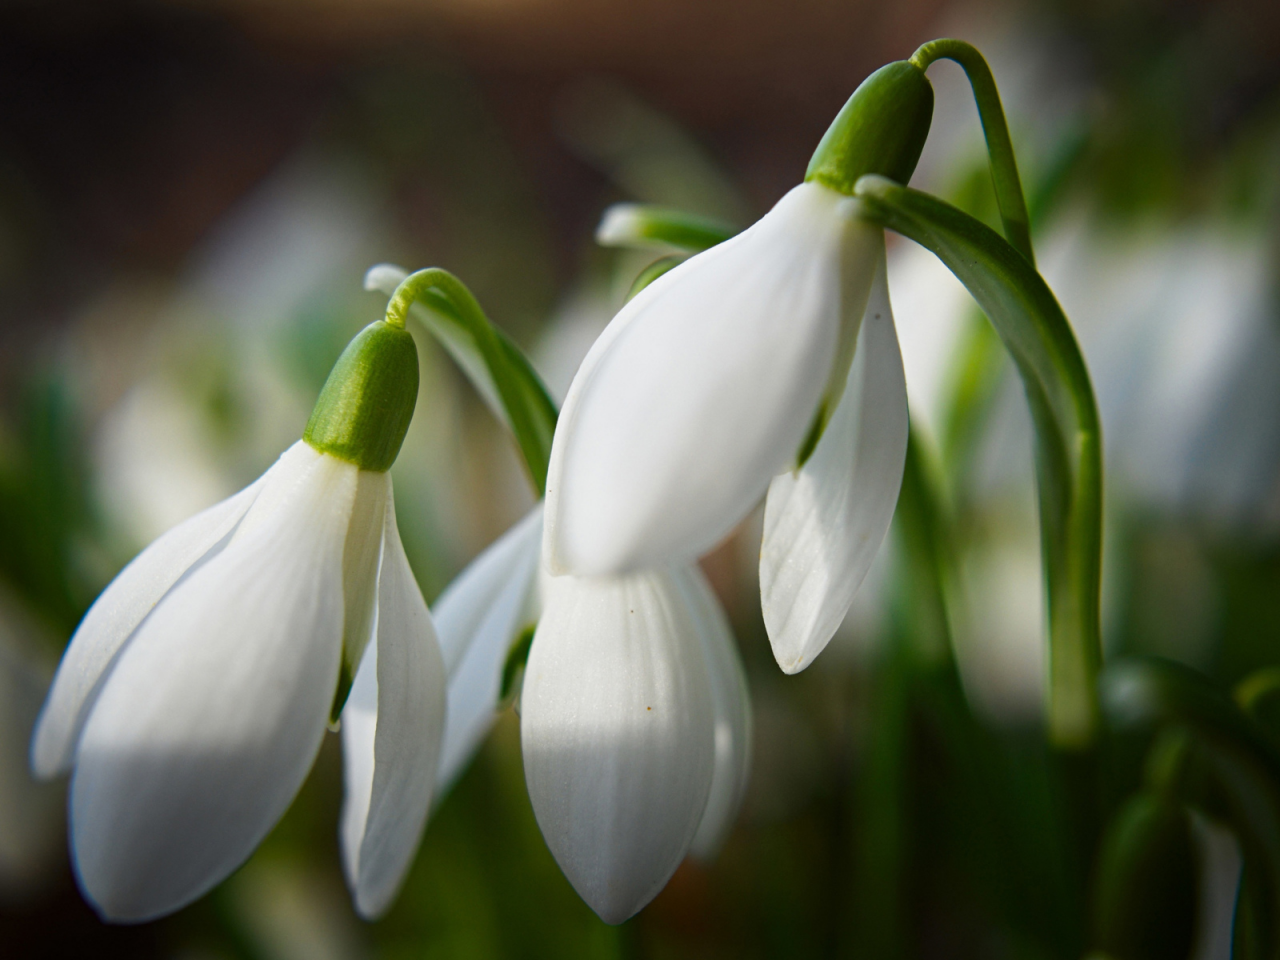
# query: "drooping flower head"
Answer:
x=635 y=720
x=738 y=367
x=195 y=693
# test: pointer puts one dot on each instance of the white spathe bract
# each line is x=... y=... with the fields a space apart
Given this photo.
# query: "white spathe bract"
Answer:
x=618 y=734
x=195 y=693
x=702 y=388
x=824 y=523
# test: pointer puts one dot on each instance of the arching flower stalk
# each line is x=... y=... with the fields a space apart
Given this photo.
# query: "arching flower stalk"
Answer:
x=195 y=693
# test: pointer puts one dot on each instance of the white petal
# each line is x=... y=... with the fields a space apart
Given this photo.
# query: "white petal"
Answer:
x=359 y=742
x=824 y=523
x=360 y=564
x=478 y=617
x=617 y=733
x=392 y=729
x=731 y=706
x=113 y=618
x=702 y=388
x=211 y=718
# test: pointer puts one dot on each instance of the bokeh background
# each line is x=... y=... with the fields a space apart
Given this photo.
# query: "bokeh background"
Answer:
x=191 y=191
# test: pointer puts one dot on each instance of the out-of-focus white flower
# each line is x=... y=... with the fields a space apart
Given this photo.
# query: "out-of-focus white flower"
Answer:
x=635 y=727
x=195 y=693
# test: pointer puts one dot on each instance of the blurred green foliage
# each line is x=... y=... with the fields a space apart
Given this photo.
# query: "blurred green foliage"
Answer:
x=888 y=818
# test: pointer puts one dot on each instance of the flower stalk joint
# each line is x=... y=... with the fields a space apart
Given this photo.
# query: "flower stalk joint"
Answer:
x=881 y=129
x=365 y=407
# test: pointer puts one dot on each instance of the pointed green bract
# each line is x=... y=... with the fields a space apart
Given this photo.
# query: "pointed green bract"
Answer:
x=639 y=226
x=1068 y=433
x=366 y=404
x=881 y=129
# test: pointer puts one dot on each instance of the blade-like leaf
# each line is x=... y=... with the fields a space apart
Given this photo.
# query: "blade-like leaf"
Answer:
x=1068 y=435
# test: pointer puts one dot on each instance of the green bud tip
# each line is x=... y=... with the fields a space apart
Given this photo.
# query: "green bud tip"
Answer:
x=881 y=129
x=365 y=407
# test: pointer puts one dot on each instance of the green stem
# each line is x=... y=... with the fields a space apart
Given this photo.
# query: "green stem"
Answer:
x=530 y=413
x=1068 y=433
x=1004 y=166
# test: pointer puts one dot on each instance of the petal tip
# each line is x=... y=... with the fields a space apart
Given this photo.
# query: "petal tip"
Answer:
x=47 y=759
x=793 y=663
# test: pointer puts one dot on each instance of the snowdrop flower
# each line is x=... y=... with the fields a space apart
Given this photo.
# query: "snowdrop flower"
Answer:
x=636 y=722
x=635 y=729
x=767 y=363
x=195 y=693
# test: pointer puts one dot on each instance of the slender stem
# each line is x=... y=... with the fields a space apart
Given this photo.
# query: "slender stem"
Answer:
x=530 y=413
x=1004 y=166
x=1037 y=334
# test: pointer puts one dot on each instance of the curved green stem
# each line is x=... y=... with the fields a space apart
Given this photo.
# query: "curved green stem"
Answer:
x=1068 y=432
x=1004 y=166
x=497 y=367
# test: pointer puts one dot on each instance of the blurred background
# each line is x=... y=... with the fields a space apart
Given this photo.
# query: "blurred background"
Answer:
x=191 y=191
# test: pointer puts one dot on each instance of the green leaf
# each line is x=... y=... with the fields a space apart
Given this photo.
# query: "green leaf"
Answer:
x=640 y=226
x=652 y=272
x=496 y=367
x=1228 y=768
x=1249 y=794
x=513 y=666
x=1037 y=335
x=1144 y=903
x=1148 y=693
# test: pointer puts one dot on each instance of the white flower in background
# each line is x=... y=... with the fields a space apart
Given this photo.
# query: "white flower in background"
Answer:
x=711 y=383
x=635 y=728
x=194 y=695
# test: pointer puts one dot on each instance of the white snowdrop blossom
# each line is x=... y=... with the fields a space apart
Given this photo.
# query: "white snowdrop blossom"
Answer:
x=767 y=364
x=195 y=693
x=635 y=729
x=704 y=393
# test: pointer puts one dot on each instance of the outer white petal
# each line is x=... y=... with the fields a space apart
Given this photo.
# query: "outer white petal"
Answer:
x=211 y=718
x=113 y=618
x=392 y=728
x=731 y=705
x=824 y=523
x=618 y=736
x=702 y=387
x=477 y=617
